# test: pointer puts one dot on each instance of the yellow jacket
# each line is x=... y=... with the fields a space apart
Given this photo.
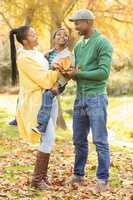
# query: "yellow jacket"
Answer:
x=34 y=78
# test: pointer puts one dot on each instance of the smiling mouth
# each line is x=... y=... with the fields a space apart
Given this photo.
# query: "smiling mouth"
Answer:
x=62 y=40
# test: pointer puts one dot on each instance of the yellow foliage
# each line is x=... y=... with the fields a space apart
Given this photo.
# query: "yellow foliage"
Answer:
x=113 y=18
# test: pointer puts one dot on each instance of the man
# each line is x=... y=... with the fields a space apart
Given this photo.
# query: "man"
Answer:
x=93 y=56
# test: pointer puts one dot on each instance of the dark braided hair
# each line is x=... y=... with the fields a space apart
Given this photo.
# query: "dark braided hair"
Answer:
x=20 y=34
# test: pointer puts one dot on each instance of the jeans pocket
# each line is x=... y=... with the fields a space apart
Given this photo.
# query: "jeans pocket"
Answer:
x=92 y=102
x=77 y=108
x=104 y=100
x=76 y=104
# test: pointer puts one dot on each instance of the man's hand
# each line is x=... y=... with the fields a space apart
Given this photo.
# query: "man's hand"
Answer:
x=71 y=72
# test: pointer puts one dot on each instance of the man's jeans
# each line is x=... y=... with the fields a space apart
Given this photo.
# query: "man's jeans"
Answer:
x=91 y=113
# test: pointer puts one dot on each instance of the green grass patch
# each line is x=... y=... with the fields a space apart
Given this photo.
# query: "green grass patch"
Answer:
x=7 y=131
x=120 y=115
x=18 y=168
x=63 y=135
x=114 y=177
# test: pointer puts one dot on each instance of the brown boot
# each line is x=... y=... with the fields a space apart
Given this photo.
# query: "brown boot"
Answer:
x=45 y=177
x=40 y=171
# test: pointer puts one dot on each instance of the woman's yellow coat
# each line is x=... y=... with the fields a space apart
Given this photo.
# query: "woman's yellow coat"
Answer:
x=33 y=80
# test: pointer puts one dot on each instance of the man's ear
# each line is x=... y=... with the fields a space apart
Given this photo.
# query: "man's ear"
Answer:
x=91 y=22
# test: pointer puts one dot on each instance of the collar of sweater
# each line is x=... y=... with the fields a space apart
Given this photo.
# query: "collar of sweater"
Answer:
x=94 y=35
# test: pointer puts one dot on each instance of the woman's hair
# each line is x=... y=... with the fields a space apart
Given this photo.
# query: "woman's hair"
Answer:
x=59 y=29
x=20 y=34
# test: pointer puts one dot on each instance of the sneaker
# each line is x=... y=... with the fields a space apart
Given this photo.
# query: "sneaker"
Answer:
x=76 y=179
x=13 y=123
x=40 y=129
x=35 y=129
x=101 y=186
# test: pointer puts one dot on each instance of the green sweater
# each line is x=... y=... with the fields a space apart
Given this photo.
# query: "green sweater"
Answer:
x=94 y=58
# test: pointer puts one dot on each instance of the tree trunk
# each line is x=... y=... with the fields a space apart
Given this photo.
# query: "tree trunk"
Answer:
x=27 y=21
x=60 y=120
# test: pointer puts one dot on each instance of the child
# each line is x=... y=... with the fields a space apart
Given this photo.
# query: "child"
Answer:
x=62 y=60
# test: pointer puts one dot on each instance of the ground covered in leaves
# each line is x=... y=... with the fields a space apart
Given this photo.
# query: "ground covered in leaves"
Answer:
x=17 y=161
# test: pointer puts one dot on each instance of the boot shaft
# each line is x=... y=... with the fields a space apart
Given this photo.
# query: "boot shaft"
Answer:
x=41 y=168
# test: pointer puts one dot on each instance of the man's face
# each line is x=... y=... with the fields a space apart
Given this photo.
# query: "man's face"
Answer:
x=83 y=26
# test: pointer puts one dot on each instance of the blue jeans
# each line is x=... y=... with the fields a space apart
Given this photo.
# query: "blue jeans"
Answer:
x=48 y=139
x=46 y=107
x=45 y=110
x=91 y=113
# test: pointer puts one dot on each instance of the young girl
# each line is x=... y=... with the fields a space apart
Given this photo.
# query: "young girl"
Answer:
x=61 y=56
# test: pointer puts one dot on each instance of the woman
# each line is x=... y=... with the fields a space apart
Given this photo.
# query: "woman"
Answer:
x=33 y=83
x=34 y=77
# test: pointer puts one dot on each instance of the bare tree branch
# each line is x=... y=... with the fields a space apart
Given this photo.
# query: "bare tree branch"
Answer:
x=119 y=2
x=6 y=20
x=122 y=20
x=69 y=8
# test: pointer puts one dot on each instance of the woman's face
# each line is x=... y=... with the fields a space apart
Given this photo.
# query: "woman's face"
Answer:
x=61 y=37
x=31 y=38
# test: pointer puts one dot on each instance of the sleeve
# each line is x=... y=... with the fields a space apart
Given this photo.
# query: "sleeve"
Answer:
x=45 y=79
x=74 y=53
x=72 y=58
x=102 y=71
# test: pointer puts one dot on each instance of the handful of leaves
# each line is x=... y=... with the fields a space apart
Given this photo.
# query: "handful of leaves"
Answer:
x=63 y=64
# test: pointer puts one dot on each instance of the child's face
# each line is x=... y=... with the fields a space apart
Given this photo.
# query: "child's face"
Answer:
x=61 y=37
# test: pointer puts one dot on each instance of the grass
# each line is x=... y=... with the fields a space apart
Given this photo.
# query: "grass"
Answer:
x=120 y=115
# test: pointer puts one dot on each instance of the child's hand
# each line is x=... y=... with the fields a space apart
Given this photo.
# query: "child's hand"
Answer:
x=57 y=67
x=55 y=88
x=63 y=64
